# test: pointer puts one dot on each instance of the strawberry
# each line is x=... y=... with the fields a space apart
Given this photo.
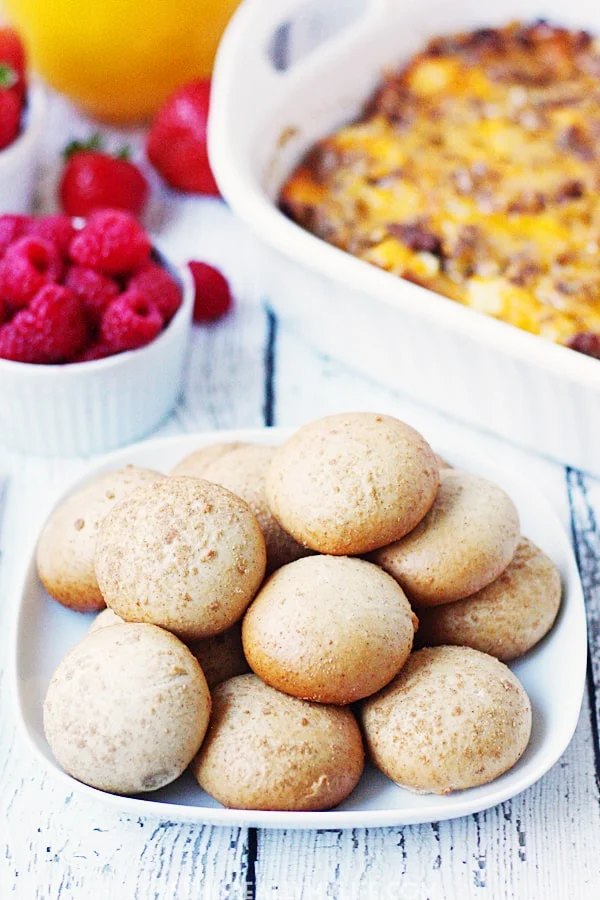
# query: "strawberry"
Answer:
x=177 y=140
x=12 y=52
x=12 y=62
x=92 y=179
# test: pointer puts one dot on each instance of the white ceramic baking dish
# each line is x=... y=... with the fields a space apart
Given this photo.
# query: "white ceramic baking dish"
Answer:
x=288 y=73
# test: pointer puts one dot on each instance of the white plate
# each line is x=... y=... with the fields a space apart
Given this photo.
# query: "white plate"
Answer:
x=553 y=673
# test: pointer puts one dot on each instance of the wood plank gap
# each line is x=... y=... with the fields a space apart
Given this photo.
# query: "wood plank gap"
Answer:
x=270 y=360
x=586 y=541
x=252 y=855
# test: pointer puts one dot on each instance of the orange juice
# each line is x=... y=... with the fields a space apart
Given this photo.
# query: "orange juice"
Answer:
x=120 y=58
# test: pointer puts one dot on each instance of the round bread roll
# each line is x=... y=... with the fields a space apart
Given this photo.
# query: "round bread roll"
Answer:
x=244 y=471
x=352 y=482
x=221 y=656
x=183 y=553
x=506 y=618
x=265 y=750
x=464 y=543
x=65 y=552
x=453 y=718
x=329 y=629
x=196 y=463
x=127 y=709
x=105 y=619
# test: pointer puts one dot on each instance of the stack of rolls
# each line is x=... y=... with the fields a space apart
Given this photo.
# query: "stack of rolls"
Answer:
x=272 y=612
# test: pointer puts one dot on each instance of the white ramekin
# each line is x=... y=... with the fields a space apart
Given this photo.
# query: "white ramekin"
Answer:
x=18 y=160
x=85 y=408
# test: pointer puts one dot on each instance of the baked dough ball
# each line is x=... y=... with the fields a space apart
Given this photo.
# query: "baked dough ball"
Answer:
x=328 y=628
x=65 y=553
x=221 y=656
x=265 y=750
x=507 y=617
x=183 y=553
x=105 y=619
x=453 y=718
x=465 y=542
x=352 y=482
x=244 y=471
x=195 y=463
x=127 y=709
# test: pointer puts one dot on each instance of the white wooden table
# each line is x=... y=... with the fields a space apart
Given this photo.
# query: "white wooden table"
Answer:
x=249 y=370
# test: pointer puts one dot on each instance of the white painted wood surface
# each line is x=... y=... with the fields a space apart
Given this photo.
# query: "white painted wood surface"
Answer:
x=247 y=371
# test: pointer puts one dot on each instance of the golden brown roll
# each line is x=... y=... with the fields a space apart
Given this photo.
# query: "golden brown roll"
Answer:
x=265 y=750
x=65 y=553
x=127 y=709
x=331 y=629
x=352 y=482
x=453 y=718
x=465 y=542
x=184 y=553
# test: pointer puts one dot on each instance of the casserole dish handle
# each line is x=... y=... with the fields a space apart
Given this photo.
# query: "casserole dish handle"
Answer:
x=271 y=40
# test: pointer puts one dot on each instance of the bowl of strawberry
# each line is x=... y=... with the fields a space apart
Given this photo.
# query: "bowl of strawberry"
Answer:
x=94 y=327
x=22 y=116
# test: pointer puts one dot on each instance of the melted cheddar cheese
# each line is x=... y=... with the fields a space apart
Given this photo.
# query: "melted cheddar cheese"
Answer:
x=475 y=172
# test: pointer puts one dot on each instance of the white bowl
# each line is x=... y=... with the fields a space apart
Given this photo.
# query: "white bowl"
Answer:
x=553 y=672
x=18 y=160
x=84 y=408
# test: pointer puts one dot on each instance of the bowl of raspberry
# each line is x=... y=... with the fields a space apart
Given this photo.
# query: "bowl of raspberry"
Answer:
x=94 y=328
x=22 y=117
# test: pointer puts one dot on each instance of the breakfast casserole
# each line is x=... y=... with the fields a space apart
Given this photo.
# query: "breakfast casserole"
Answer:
x=474 y=171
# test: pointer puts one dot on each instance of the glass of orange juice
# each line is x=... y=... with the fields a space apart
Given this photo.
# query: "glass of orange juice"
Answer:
x=119 y=59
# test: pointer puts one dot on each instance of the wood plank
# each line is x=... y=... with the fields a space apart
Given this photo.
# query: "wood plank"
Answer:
x=61 y=846
x=584 y=498
x=544 y=844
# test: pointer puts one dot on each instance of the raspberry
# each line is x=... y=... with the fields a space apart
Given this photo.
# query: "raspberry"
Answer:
x=213 y=296
x=14 y=345
x=111 y=241
x=28 y=265
x=130 y=321
x=93 y=352
x=52 y=329
x=11 y=228
x=2 y=310
x=94 y=289
x=158 y=287
x=58 y=230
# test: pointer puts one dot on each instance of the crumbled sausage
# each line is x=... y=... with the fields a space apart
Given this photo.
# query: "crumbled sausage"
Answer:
x=586 y=342
x=416 y=237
